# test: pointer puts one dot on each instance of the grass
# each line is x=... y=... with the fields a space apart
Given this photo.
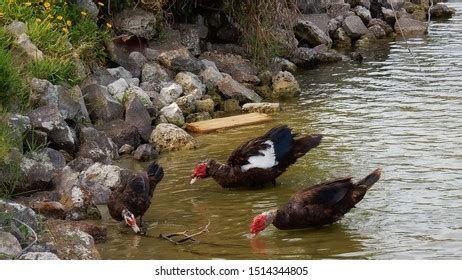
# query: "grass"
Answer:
x=10 y=165
x=54 y=69
x=12 y=86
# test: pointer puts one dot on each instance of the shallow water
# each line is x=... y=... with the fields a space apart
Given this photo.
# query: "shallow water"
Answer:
x=384 y=112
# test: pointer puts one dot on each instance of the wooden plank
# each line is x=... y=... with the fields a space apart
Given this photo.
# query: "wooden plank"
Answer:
x=228 y=122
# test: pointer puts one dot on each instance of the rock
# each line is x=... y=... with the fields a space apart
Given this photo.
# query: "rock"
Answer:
x=308 y=32
x=281 y=64
x=118 y=88
x=355 y=3
x=325 y=55
x=50 y=120
x=187 y=104
x=9 y=246
x=93 y=228
x=389 y=16
x=126 y=149
x=265 y=91
x=145 y=152
x=228 y=33
x=24 y=42
x=89 y=6
x=136 y=115
x=377 y=31
x=196 y=117
x=101 y=105
x=304 y=57
x=136 y=21
x=179 y=60
x=72 y=243
x=320 y=20
x=101 y=179
x=285 y=85
x=21 y=213
x=286 y=41
x=441 y=11
x=232 y=89
x=205 y=105
x=71 y=104
x=137 y=61
x=133 y=82
x=210 y=75
x=120 y=72
x=17 y=28
x=263 y=107
x=42 y=93
x=354 y=26
x=127 y=51
x=39 y=255
x=152 y=77
x=191 y=84
x=173 y=114
x=191 y=35
x=363 y=13
x=366 y=41
x=121 y=132
x=231 y=105
x=341 y=39
x=78 y=204
x=338 y=9
x=242 y=70
x=139 y=92
x=96 y=145
x=49 y=209
x=310 y=6
x=334 y=24
x=385 y=26
x=410 y=27
x=218 y=114
x=170 y=137
x=170 y=92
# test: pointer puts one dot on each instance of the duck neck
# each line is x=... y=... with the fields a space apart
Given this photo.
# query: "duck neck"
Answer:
x=216 y=169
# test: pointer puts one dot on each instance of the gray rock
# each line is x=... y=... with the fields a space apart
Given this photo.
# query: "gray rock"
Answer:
x=118 y=88
x=126 y=149
x=389 y=16
x=137 y=116
x=341 y=39
x=151 y=54
x=232 y=89
x=101 y=105
x=134 y=90
x=242 y=70
x=39 y=255
x=228 y=33
x=196 y=117
x=281 y=64
x=120 y=72
x=179 y=60
x=377 y=31
x=145 y=152
x=363 y=13
x=385 y=26
x=355 y=3
x=152 y=77
x=304 y=57
x=263 y=107
x=285 y=85
x=334 y=24
x=170 y=137
x=71 y=104
x=354 y=26
x=286 y=40
x=441 y=11
x=170 y=92
x=42 y=93
x=89 y=6
x=136 y=21
x=210 y=75
x=338 y=9
x=187 y=104
x=320 y=20
x=191 y=84
x=50 y=120
x=23 y=214
x=308 y=32
x=133 y=82
x=9 y=246
x=137 y=61
x=19 y=123
x=191 y=35
x=120 y=132
x=96 y=145
x=325 y=55
x=173 y=114
x=410 y=27
x=205 y=105
x=231 y=105
x=121 y=49
x=17 y=28
x=100 y=179
x=31 y=50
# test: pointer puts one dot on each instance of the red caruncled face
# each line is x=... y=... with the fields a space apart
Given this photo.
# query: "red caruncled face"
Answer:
x=200 y=171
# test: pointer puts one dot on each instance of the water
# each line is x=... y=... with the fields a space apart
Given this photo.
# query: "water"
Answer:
x=384 y=112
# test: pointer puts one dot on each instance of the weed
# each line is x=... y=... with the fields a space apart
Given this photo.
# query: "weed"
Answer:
x=55 y=70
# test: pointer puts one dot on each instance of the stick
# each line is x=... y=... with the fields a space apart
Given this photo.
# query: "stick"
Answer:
x=184 y=234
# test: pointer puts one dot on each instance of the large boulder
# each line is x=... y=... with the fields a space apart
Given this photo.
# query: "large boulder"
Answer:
x=101 y=179
x=170 y=137
x=153 y=76
x=210 y=75
x=242 y=70
x=173 y=114
x=145 y=152
x=441 y=11
x=179 y=60
x=338 y=9
x=286 y=41
x=285 y=85
x=354 y=26
x=320 y=20
x=410 y=27
x=341 y=39
x=363 y=13
x=304 y=57
x=42 y=93
x=49 y=119
x=170 y=92
x=121 y=132
x=137 y=116
x=308 y=32
x=71 y=104
x=101 y=105
x=377 y=31
x=118 y=88
x=137 y=22
x=230 y=88
x=190 y=83
x=383 y=24
x=96 y=145
x=9 y=246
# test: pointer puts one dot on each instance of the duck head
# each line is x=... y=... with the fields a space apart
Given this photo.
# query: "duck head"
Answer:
x=130 y=220
x=200 y=171
x=261 y=221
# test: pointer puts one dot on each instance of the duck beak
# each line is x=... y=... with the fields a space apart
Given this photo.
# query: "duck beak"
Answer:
x=135 y=228
x=193 y=180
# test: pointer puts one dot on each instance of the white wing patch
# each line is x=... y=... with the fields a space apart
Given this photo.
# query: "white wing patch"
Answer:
x=267 y=160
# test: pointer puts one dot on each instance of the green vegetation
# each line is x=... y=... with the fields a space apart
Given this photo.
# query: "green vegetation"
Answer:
x=54 y=70
x=10 y=169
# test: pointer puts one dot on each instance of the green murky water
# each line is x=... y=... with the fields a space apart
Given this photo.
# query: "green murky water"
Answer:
x=384 y=112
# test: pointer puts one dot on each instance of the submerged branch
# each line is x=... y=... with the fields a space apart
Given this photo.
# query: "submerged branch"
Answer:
x=184 y=235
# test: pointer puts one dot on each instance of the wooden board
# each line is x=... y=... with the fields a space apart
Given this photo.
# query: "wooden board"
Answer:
x=228 y=122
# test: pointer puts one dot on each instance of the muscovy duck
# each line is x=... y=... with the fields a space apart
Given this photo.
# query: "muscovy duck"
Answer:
x=133 y=200
x=258 y=161
x=317 y=205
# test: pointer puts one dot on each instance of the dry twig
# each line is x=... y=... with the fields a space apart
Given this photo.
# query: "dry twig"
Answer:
x=184 y=234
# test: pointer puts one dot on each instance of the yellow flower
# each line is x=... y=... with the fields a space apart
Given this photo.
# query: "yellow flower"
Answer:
x=65 y=30
x=109 y=25
x=47 y=5
x=1 y=14
x=28 y=4
x=83 y=13
x=38 y=20
x=101 y=4
x=59 y=18
x=69 y=23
